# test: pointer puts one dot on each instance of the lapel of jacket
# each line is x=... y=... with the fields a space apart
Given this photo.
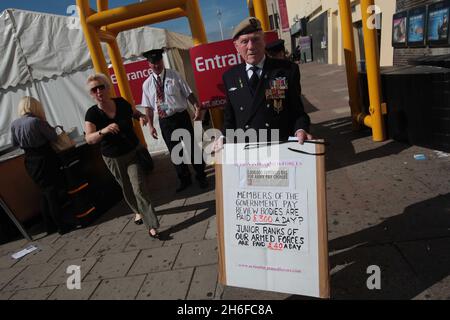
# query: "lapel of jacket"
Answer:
x=259 y=97
x=246 y=92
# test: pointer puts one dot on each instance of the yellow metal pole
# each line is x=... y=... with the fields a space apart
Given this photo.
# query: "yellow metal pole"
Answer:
x=251 y=9
x=199 y=37
x=106 y=36
x=260 y=8
x=92 y=39
x=350 y=60
x=196 y=22
x=131 y=11
x=146 y=20
x=124 y=85
x=102 y=5
x=373 y=72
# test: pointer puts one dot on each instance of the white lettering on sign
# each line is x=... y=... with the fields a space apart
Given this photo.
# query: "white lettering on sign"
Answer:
x=141 y=74
x=217 y=62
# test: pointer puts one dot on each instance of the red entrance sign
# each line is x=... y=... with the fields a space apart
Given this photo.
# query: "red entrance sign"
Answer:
x=137 y=73
x=209 y=62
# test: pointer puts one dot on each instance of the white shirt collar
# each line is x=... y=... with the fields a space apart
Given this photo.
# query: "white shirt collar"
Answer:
x=260 y=65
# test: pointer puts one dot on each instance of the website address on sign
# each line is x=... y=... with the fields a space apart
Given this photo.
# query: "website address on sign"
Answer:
x=269 y=268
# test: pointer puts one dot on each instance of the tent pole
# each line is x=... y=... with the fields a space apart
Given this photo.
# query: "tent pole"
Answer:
x=124 y=85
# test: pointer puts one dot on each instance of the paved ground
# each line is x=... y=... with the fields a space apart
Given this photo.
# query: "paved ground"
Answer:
x=384 y=208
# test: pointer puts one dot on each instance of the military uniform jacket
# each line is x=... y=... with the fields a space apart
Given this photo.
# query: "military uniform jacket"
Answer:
x=276 y=104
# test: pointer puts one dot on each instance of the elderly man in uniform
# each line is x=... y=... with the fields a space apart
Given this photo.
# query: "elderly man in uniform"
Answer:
x=262 y=92
x=167 y=93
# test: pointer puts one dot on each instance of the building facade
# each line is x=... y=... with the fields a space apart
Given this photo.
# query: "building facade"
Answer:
x=321 y=19
x=410 y=52
x=279 y=21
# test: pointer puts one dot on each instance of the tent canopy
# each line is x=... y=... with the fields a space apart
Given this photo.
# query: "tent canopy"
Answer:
x=46 y=56
x=35 y=45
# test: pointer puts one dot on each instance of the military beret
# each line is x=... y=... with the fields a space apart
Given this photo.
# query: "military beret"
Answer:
x=153 y=56
x=275 y=46
x=246 y=26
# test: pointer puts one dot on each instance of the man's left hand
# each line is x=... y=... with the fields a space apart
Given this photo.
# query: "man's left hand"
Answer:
x=302 y=135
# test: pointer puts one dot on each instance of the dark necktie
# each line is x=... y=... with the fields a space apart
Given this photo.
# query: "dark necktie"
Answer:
x=254 y=79
x=160 y=96
x=159 y=89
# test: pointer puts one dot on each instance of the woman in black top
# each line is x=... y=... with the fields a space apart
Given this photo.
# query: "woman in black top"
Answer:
x=109 y=123
x=33 y=134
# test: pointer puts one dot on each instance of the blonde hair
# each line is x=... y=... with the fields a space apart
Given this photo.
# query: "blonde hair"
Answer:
x=100 y=77
x=32 y=106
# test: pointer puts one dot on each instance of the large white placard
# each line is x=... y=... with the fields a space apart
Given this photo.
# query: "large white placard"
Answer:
x=271 y=226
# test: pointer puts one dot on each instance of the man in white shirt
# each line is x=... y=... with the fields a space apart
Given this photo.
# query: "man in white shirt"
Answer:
x=167 y=93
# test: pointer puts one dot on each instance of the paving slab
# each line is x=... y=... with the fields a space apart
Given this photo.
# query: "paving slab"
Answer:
x=5 y=295
x=429 y=258
x=6 y=275
x=75 y=248
x=110 y=244
x=401 y=191
x=33 y=294
x=43 y=254
x=177 y=203
x=132 y=227
x=112 y=266
x=118 y=289
x=197 y=254
x=12 y=246
x=6 y=261
x=154 y=260
x=243 y=294
x=438 y=291
x=32 y=276
x=204 y=282
x=87 y=288
x=60 y=275
x=111 y=227
x=76 y=235
x=141 y=240
x=211 y=231
x=397 y=278
x=201 y=198
x=169 y=220
x=188 y=231
x=167 y=285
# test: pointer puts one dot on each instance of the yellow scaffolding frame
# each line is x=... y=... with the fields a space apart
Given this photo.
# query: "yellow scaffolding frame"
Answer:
x=104 y=25
x=376 y=108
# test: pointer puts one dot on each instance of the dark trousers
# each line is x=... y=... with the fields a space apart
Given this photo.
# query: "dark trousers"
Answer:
x=43 y=167
x=181 y=120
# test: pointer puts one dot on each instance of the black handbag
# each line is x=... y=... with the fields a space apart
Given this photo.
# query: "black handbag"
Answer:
x=144 y=158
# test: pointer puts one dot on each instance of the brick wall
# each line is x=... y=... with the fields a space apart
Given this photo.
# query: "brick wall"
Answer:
x=401 y=56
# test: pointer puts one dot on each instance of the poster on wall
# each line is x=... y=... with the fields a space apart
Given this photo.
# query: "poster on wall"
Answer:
x=438 y=24
x=416 y=27
x=271 y=212
x=399 y=29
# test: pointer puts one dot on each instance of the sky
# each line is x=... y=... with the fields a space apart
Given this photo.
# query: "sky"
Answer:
x=233 y=11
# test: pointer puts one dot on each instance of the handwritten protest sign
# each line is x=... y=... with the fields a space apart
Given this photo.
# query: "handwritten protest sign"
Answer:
x=272 y=219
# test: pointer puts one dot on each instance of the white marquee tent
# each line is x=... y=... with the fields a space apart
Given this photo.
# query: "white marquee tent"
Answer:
x=46 y=56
